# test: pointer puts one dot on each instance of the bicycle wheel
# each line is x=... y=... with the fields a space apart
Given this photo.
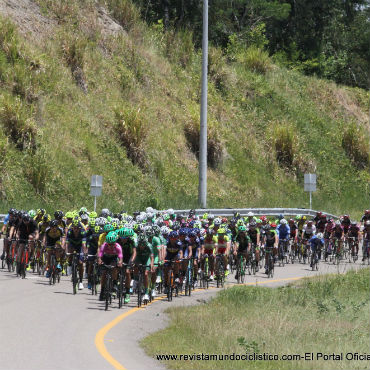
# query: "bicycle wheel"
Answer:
x=74 y=276
x=52 y=270
x=242 y=269
x=121 y=288
x=107 y=291
x=139 y=290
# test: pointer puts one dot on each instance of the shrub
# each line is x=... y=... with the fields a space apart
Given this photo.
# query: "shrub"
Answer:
x=215 y=149
x=179 y=46
x=132 y=131
x=256 y=60
x=218 y=71
x=9 y=41
x=124 y=12
x=37 y=171
x=284 y=145
x=18 y=123
x=355 y=144
x=73 y=49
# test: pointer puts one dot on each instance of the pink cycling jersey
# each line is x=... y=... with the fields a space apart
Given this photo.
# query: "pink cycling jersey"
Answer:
x=111 y=250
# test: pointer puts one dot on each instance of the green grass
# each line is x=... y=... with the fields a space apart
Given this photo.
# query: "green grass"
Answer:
x=327 y=314
x=67 y=135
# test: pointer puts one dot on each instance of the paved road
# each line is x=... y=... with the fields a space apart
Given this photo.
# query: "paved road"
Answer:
x=50 y=328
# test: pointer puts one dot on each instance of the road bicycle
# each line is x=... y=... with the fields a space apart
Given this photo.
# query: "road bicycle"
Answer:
x=220 y=270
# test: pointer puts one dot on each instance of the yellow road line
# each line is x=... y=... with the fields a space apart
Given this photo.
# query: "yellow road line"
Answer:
x=99 y=338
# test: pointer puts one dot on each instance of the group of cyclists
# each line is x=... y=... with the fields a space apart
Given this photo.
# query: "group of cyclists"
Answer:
x=166 y=249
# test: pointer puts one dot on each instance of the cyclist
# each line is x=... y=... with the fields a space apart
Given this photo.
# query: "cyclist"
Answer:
x=53 y=239
x=354 y=232
x=272 y=241
x=366 y=216
x=254 y=235
x=27 y=233
x=194 y=251
x=242 y=246
x=76 y=242
x=223 y=247
x=108 y=254
x=366 y=238
x=316 y=243
x=156 y=244
x=346 y=223
x=338 y=234
x=145 y=257
x=10 y=223
x=208 y=249
x=174 y=252
x=92 y=239
x=127 y=241
x=283 y=231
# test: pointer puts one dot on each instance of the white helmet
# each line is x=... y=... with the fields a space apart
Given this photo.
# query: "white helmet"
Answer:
x=217 y=221
x=283 y=221
x=250 y=214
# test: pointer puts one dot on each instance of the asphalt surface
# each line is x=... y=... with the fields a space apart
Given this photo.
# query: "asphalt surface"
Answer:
x=47 y=327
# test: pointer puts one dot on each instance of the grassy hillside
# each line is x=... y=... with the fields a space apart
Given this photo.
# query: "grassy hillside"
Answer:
x=81 y=100
x=326 y=314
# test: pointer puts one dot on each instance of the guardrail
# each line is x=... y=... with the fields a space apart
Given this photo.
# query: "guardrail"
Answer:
x=229 y=212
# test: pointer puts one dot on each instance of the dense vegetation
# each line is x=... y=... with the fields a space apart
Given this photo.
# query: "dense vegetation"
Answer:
x=327 y=38
x=79 y=100
x=326 y=314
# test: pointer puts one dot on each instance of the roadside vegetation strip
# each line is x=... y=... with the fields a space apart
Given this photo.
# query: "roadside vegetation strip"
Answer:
x=325 y=314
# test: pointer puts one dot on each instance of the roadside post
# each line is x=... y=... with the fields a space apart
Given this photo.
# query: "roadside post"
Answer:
x=96 y=187
x=310 y=184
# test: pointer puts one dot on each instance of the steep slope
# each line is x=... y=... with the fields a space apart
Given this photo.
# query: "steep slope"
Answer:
x=95 y=91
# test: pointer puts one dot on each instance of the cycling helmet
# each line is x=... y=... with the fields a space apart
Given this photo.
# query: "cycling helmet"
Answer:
x=183 y=231
x=283 y=221
x=108 y=228
x=273 y=225
x=217 y=221
x=353 y=223
x=367 y=211
x=84 y=217
x=69 y=214
x=320 y=235
x=291 y=220
x=111 y=237
x=12 y=211
x=82 y=211
x=121 y=232
x=165 y=230
x=93 y=214
x=105 y=212
x=76 y=223
x=192 y=234
x=221 y=231
x=337 y=223
x=149 y=231
x=129 y=233
x=32 y=213
x=298 y=217
x=242 y=229
x=141 y=239
x=58 y=215
x=211 y=216
x=97 y=229
x=46 y=218
x=253 y=223
x=281 y=216
x=156 y=229
x=173 y=234
x=250 y=214
x=54 y=223
x=41 y=211
x=202 y=233
x=26 y=217
x=263 y=218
